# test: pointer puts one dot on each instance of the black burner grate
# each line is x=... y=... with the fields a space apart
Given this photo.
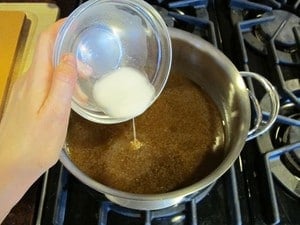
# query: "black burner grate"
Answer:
x=74 y=203
x=268 y=43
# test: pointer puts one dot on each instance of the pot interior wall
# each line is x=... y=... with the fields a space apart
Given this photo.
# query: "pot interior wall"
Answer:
x=215 y=74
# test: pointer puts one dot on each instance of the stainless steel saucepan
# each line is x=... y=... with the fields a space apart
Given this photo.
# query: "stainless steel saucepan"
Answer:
x=213 y=71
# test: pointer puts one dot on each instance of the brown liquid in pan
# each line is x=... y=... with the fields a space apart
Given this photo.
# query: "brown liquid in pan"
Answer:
x=182 y=140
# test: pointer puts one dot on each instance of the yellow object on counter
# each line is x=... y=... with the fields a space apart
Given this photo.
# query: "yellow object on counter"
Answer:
x=11 y=23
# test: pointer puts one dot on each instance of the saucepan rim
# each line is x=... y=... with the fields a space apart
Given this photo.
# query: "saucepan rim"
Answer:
x=231 y=156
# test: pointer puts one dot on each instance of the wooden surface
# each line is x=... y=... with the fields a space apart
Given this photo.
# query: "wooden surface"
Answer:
x=11 y=23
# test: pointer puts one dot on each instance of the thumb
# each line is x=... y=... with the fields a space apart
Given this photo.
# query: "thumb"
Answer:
x=63 y=83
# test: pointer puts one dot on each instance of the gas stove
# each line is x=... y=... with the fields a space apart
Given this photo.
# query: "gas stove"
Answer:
x=262 y=187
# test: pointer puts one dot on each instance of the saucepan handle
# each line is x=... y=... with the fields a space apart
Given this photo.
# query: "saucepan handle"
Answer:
x=260 y=126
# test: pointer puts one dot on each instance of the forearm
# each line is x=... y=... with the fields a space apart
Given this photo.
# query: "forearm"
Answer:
x=14 y=182
x=34 y=124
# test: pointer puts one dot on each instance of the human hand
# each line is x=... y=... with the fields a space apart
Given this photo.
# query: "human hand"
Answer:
x=34 y=124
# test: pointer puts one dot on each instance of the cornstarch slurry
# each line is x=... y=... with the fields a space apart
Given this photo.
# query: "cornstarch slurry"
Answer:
x=123 y=93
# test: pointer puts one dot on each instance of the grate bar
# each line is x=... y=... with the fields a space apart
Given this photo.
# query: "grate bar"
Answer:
x=203 y=23
x=186 y=3
x=61 y=198
x=242 y=4
x=283 y=119
x=272 y=49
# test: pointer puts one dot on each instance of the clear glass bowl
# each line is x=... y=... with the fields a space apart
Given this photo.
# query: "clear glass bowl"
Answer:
x=105 y=35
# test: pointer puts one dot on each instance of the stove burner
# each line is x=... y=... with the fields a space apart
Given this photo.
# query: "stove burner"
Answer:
x=87 y=206
x=72 y=202
x=292 y=162
x=281 y=144
x=270 y=32
x=177 y=212
x=285 y=135
x=286 y=37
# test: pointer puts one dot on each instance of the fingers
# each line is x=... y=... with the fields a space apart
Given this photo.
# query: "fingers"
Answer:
x=84 y=70
x=79 y=95
x=40 y=72
x=44 y=50
x=60 y=93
